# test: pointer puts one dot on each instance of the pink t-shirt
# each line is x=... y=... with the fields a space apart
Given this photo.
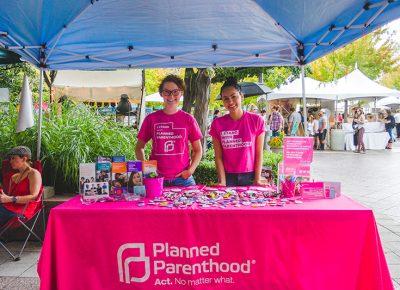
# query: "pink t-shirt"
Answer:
x=238 y=140
x=170 y=135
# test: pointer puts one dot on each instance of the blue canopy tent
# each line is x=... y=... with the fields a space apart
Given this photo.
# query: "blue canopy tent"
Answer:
x=110 y=34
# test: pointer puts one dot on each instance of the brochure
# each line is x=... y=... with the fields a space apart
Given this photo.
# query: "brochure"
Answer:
x=149 y=168
x=87 y=174
x=103 y=171
x=96 y=190
x=135 y=175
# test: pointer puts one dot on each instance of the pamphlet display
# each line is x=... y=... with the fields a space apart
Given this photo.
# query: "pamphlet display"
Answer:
x=114 y=178
x=332 y=189
x=103 y=171
x=119 y=180
x=149 y=168
x=294 y=172
x=87 y=174
x=135 y=178
x=94 y=191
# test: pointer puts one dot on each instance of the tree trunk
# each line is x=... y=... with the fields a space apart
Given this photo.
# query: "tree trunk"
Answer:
x=189 y=97
x=202 y=101
x=49 y=79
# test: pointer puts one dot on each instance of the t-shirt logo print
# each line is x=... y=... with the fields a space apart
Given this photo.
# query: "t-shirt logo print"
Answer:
x=168 y=139
x=231 y=140
x=124 y=265
x=169 y=146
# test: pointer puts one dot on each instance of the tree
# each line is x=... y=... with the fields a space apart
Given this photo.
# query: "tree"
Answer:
x=272 y=76
x=11 y=76
x=392 y=79
x=374 y=53
x=49 y=78
x=197 y=94
x=155 y=76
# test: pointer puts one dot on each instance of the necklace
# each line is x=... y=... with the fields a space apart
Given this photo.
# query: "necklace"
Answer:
x=12 y=188
x=22 y=174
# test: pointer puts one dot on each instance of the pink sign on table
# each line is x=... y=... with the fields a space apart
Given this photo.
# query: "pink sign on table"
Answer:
x=297 y=150
x=311 y=190
x=300 y=170
x=325 y=244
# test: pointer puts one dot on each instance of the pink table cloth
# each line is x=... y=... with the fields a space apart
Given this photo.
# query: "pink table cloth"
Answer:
x=321 y=244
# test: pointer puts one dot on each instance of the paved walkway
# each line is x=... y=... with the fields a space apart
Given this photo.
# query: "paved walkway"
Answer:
x=372 y=179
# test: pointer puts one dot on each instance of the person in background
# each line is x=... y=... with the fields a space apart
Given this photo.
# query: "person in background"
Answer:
x=397 y=121
x=359 y=120
x=264 y=116
x=25 y=185
x=315 y=129
x=322 y=129
x=172 y=131
x=339 y=121
x=238 y=140
x=389 y=125
x=310 y=127
x=276 y=121
x=294 y=122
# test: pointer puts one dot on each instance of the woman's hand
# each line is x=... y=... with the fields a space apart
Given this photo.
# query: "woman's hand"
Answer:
x=4 y=198
x=185 y=174
x=220 y=184
x=261 y=182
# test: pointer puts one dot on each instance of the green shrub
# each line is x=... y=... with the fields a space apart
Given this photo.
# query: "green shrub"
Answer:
x=209 y=155
x=8 y=126
x=73 y=135
x=206 y=173
x=272 y=159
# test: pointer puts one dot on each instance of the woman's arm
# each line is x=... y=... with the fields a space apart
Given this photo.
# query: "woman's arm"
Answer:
x=197 y=152
x=258 y=159
x=139 y=150
x=219 y=162
x=35 y=183
x=361 y=120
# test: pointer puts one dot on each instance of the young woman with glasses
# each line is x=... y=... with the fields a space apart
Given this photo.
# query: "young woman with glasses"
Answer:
x=171 y=130
x=238 y=139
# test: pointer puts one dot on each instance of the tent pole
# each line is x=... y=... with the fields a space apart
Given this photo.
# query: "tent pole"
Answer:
x=336 y=113
x=303 y=92
x=142 y=109
x=376 y=114
x=39 y=139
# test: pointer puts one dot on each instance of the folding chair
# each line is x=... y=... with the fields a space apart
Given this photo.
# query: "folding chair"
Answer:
x=23 y=217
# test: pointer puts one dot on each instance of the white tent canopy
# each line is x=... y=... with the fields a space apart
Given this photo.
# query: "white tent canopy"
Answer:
x=98 y=85
x=383 y=103
x=357 y=85
x=313 y=89
x=154 y=98
x=389 y=101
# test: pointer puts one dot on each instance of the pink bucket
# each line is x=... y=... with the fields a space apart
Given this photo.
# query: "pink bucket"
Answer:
x=154 y=186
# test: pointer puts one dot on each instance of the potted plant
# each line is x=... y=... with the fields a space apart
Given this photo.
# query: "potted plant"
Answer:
x=153 y=184
x=276 y=143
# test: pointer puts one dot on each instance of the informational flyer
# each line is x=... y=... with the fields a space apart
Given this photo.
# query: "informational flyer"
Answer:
x=297 y=150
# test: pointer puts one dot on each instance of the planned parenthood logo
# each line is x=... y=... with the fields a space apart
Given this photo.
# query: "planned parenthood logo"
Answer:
x=124 y=265
x=207 y=261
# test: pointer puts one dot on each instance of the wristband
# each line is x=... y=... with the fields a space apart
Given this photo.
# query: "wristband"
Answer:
x=14 y=199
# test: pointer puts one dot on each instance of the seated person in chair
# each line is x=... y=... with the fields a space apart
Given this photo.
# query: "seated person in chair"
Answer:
x=25 y=185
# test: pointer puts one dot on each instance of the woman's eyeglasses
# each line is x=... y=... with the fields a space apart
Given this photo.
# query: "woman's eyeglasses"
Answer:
x=167 y=93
